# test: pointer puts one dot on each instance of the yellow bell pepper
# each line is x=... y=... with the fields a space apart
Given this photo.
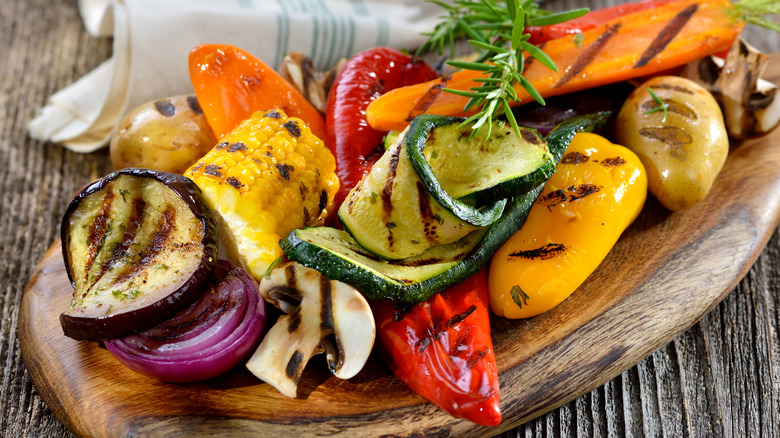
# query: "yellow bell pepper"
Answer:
x=597 y=191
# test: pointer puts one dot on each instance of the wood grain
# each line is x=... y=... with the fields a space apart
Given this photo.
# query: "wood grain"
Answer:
x=666 y=272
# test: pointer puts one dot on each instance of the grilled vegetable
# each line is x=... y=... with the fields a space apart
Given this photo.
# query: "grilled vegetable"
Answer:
x=365 y=76
x=750 y=105
x=631 y=46
x=442 y=349
x=680 y=138
x=339 y=257
x=208 y=338
x=320 y=315
x=598 y=190
x=139 y=245
x=597 y=17
x=167 y=134
x=231 y=85
x=298 y=69
x=268 y=176
x=436 y=184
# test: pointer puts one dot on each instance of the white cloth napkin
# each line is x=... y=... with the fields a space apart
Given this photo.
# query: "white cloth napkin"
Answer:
x=152 y=39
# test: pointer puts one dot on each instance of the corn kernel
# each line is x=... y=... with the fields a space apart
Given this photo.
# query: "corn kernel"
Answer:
x=264 y=179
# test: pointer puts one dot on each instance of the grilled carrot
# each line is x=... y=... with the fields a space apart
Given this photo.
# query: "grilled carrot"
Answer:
x=629 y=46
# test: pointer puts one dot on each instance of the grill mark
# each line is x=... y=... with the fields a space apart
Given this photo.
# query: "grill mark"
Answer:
x=131 y=230
x=323 y=201
x=545 y=252
x=582 y=190
x=165 y=108
x=456 y=319
x=192 y=102
x=666 y=36
x=292 y=128
x=293 y=320
x=213 y=170
x=423 y=103
x=232 y=147
x=289 y=277
x=426 y=213
x=588 y=55
x=387 y=191
x=97 y=233
x=284 y=170
x=326 y=306
x=293 y=369
x=553 y=198
x=530 y=137
x=675 y=88
x=672 y=107
x=164 y=229
x=612 y=162
x=571 y=194
x=574 y=158
x=233 y=181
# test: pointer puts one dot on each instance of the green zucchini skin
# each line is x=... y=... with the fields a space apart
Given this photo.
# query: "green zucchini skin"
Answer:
x=410 y=200
x=421 y=279
x=484 y=207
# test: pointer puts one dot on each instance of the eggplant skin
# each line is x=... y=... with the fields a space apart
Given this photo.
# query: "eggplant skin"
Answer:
x=107 y=312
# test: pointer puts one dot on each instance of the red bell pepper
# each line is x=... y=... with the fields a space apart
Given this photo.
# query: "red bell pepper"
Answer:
x=541 y=34
x=441 y=348
x=365 y=77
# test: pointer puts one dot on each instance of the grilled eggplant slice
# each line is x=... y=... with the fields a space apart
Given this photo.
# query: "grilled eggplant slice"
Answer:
x=139 y=245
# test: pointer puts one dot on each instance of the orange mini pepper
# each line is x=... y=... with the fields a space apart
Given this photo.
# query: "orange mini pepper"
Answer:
x=231 y=85
x=596 y=193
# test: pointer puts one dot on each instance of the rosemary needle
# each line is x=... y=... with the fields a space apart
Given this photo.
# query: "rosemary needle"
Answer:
x=662 y=106
x=495 y=30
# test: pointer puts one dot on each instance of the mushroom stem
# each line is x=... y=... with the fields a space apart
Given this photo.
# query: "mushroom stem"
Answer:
x=321 y=315
x=749 y=106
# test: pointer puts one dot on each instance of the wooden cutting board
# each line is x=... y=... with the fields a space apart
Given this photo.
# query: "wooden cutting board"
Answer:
x=665 y=273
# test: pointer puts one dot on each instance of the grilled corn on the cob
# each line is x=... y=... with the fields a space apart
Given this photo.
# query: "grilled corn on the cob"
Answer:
x=267 y=177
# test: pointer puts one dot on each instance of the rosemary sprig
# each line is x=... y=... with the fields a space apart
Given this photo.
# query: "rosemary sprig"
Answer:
x=662 y=106
x=495 y=30
x=756 y=12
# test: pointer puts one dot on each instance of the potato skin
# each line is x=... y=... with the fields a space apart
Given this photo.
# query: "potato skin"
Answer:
x=167 y=135
x=682 y=155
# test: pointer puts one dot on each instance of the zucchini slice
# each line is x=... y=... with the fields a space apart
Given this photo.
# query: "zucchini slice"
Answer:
x=410 y=200
x=460 y=171
x=340 y=257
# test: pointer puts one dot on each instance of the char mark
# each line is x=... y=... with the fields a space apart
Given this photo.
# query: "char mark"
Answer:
x=97 y=232
x=667 y=35
x=159 y=241
x=588 y=55
x=423 y=103
x=545 y=252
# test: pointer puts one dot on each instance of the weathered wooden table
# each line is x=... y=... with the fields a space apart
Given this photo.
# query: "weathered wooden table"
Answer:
x=721 y=377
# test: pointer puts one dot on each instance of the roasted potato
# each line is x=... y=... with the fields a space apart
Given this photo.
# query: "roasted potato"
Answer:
x=167 y=135
x=683 y=153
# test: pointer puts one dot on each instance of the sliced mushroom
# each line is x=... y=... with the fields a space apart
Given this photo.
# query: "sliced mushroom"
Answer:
x=750 y=108
x=299 y=70
x=320 y=315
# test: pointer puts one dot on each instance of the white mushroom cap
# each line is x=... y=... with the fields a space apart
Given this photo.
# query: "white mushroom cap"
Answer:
x=320 y=315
